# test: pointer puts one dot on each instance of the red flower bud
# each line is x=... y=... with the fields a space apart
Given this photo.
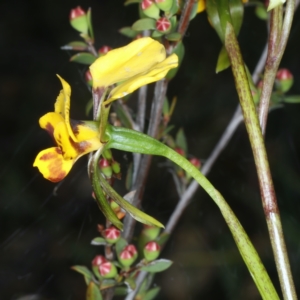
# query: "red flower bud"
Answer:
x=163 y=24
x=196 y=162
x=88 y=77
x=131 y=248
x=146 y=4
x=283 y=74
x=112 y=234
x=150 y=9
x=103 y=50
x=180 y=151
x=76 y=12
x=105 y=167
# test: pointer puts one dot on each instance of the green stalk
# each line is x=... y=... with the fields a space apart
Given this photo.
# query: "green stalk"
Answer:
x=133 y=141
x=261 y=161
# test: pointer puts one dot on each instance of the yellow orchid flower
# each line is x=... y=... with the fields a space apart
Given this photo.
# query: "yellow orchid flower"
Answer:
x=73 y=138
x=141 y=62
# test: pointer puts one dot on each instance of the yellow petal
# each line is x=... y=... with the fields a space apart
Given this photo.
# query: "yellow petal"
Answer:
x=50 y=120
x=155 y=73
x=52 y=165
x=125 y=62
x=201 y=6
x=84 y=132
x=62 y=105
x=72 y=150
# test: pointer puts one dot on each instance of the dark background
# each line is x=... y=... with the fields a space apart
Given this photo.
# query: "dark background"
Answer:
x=46 y=228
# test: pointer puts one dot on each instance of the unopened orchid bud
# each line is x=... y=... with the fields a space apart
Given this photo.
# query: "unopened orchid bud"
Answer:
x=284 y=80
x=78 y=20
x=150 y=9
x=112 y=234
x=151 y=250
x=88 y=78
x=108 y=270
x=164 y=5
x=195 y=162
x=128 y=256
x=163 y=25
x=105 y=167
x=103 y=50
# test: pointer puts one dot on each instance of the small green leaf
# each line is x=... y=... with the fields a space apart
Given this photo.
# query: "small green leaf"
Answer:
x=162 y=239
x=83 y=58
x=261 y=12
x=292 y=99
x=121 y=291
x=174 y=37
x=151 y=294
x=130 y=282
x=107 y=283
x=75 y=45
x=223 y=60
x=90 y=25
x=88 y=275
x=166 y=107
x=143 y=24
x=157 y=266
x=120 y=245
x=181 y=140
x=98 y=241
x=156 y=34
x=127 y=31
x=92 y=292
x=179 y=51
x=175 y=8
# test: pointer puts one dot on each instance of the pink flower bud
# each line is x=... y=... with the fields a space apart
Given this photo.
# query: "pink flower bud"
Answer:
x=98 y=260
x=283 y=74
x=151 y=250
x=108 y=270
x=112 y=234
x=163 y=25
x=284 y=80
x=131 y=248
x=150 y=9
x=76 y=12
x=105 y=167
x=78 y=20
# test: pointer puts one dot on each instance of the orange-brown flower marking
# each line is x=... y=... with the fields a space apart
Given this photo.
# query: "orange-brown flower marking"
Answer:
x=73 y=138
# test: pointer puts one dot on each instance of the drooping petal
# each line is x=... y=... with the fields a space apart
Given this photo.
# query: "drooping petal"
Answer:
x=62 y=105
x=201 y=6
x=49 y=121
x=155 y=73
x=52 y=165
x=125 y=62
x=72 y=150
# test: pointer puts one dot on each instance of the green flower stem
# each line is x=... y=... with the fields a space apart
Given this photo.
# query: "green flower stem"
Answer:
x=262 y=165
x=133 y=141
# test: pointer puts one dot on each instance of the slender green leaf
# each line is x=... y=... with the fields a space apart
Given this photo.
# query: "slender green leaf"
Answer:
x=93 y=292
x=292 y=99
x=133 y=211
x=223 y=60
x=83 y=58
x=174 y=37
x=157 y=266
x=90 y=25
x=127 y=2
x=181 y=140
x=107 y=283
